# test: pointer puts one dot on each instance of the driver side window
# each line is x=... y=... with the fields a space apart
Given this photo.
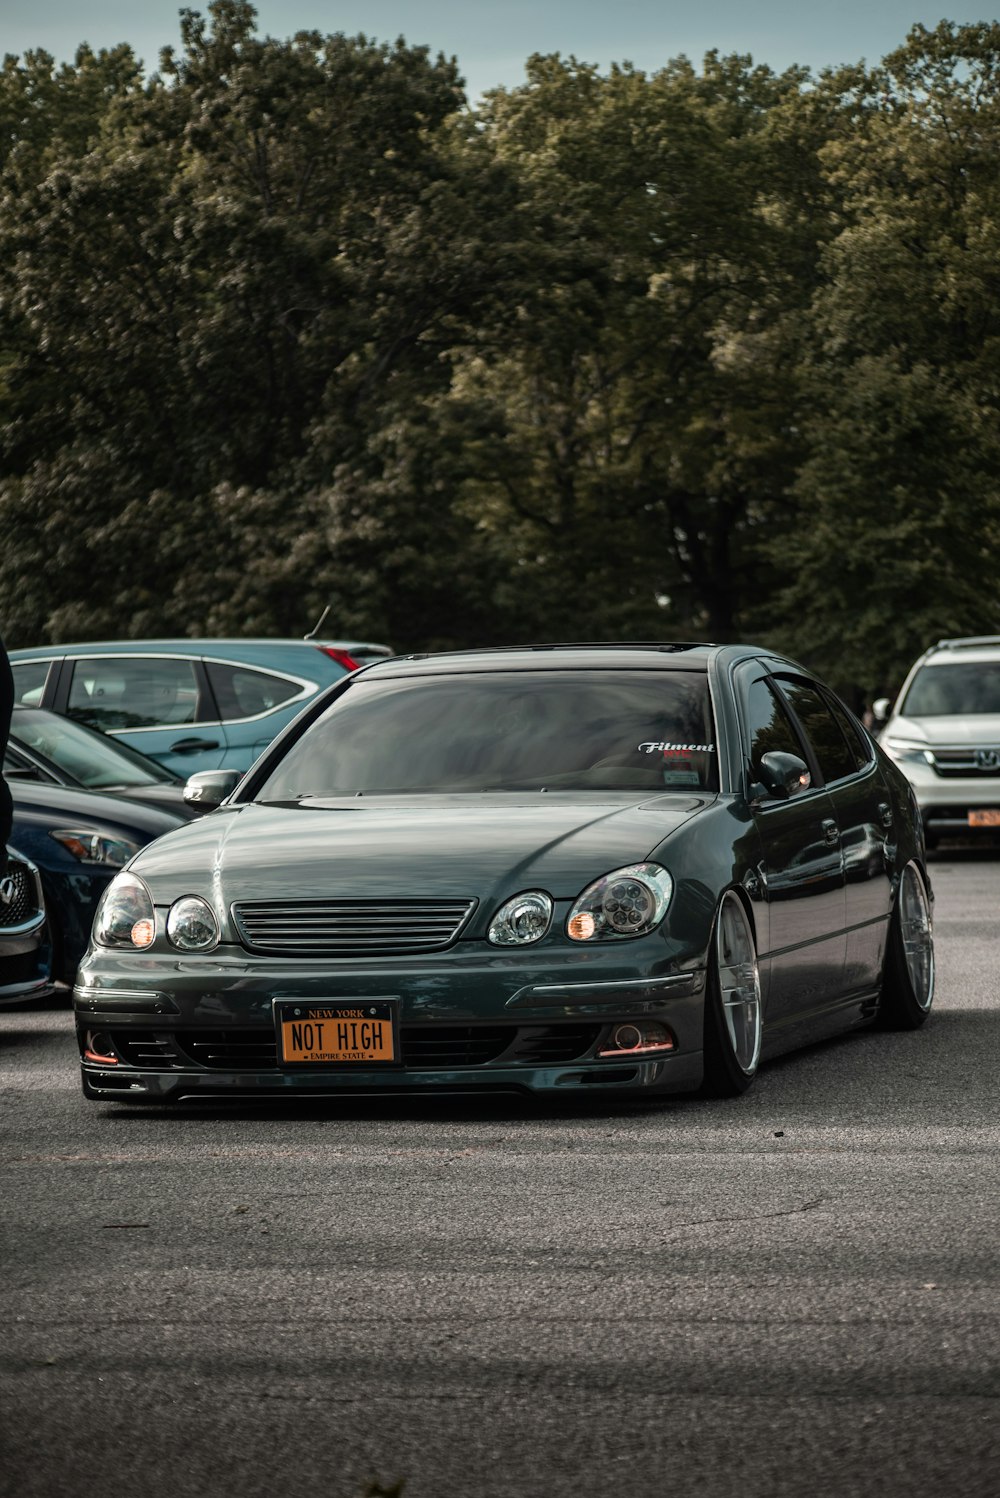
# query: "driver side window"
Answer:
x=768 y=725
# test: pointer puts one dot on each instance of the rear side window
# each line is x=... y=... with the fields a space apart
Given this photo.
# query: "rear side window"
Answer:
x=241 y=692
x=29 y=680
x=854 y=735
x=141 y=691
x=836 y=759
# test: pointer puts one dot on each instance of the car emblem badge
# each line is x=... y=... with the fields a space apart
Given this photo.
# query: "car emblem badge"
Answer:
x=988 y=759
x=8 y=889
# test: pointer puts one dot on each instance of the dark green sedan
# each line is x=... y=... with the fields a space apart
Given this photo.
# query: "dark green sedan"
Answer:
x=639 y=869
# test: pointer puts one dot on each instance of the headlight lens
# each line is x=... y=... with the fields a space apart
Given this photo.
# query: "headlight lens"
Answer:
x=191 y=925
x=524 y=919
x=907 y=751
x=97 y=849
x=125 y=916
x=629 y=902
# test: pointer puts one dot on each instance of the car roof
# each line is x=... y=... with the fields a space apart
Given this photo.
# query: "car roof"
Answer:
x=189 y=646
x=970 y=648
x=629 y=655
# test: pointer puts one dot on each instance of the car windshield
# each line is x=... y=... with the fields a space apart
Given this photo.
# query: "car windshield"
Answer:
x=507 y=731
x=89 y=757
x=959 y=689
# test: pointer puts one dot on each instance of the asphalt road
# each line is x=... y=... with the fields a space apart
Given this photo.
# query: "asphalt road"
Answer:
x=794 y=1293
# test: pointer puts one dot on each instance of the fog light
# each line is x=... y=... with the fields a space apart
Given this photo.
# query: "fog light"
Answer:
x=97 y=1047
x=641 y=1039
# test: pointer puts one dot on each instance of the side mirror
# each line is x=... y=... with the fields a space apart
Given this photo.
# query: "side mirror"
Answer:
x=880 y=709
x=784 y=775
x=207 y=789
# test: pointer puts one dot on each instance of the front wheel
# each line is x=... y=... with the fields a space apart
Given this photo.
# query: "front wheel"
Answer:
x=733 y=1021
x=908 y=972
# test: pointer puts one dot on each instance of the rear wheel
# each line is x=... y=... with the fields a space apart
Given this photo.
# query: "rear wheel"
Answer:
x=908 y=973
x=733 y=1021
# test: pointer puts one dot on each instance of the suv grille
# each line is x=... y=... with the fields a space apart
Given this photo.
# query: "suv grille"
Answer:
x=326 y=928
x=984 y=761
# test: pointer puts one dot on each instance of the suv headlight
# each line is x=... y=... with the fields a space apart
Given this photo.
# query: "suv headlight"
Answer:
x=629 y=902
x=907 y=751
x=125 y=916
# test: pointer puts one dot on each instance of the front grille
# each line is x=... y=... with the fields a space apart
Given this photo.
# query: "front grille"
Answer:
x=965 y=761
x=18 y=895
x=328 y=928
x=424 y=1047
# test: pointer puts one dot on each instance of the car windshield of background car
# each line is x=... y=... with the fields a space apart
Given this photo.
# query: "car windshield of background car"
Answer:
x=958 y=689
x=95 y=761
x=507 y=731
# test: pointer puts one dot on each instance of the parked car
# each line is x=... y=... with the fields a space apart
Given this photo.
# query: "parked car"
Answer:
x=190 y=704
x=79 y=840
x=25 y=951
x=944 y=734
x=612 y=869
x=57 y=751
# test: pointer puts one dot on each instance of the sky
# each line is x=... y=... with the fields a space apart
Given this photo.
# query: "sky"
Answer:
x=493 y=38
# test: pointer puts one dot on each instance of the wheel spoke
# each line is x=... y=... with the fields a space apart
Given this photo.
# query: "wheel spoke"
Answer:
x=739 y=984
x=917 y=933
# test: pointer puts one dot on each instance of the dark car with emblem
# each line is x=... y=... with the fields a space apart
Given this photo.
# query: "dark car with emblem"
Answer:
x=25 y=952
x=632 y=869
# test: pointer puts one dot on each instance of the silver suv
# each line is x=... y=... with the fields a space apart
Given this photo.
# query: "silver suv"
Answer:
x=944 y=733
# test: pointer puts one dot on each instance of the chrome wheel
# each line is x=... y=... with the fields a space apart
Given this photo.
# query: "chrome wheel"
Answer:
x=917 y=933
x=739 y=983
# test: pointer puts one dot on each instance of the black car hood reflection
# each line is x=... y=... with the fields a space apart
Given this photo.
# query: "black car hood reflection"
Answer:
x=412 y=846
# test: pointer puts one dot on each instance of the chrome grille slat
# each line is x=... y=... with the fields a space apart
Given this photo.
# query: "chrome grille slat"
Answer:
x=330 y=927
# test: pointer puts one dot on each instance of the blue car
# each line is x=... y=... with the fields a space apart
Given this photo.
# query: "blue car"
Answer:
x=190 y=704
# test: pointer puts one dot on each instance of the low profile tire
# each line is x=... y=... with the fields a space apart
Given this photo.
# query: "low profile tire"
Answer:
x=733 y=1020
x=908 y=973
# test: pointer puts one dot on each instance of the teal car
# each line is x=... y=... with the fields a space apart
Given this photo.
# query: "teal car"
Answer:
x=190 y=704
x=634 y=869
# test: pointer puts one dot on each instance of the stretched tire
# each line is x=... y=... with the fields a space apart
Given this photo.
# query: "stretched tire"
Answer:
x=733 y=1020
x=908 y=972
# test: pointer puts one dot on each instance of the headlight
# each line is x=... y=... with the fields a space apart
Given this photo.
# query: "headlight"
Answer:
x=907 y=751
x=125 y=916
x=191 y=925
x=629 y=902
x=522 y=920
x=100 y=849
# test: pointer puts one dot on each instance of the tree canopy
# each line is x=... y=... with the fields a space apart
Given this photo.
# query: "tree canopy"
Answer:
x=710 y=352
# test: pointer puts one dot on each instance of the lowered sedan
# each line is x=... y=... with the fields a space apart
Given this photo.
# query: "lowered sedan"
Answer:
x=637 y=869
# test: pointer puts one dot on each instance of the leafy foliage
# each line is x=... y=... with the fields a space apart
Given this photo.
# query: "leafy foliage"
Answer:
x=707 y=353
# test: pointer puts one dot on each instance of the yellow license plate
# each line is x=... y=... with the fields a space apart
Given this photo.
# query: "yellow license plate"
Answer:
x=360 y=1032
x=986 y=817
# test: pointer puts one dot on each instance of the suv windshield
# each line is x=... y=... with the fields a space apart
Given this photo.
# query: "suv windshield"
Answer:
x=960 y=688
x=507 y=731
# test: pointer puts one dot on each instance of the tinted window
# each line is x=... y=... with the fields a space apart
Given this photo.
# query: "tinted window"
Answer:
x=83 y=753
x=29 y=680
x=853 y=733
x=961 y=687
x=768 y=725
x=141 y=691
x=507 y=731
x=835 y=758
x=243 y=693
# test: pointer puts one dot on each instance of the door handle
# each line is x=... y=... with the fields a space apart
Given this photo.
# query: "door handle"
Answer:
x=885 y=812
x=831 y=832
x=192 y=746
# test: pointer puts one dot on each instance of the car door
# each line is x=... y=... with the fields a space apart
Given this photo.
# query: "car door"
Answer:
x=863 y=811
x=157 y=703
x=801 y=867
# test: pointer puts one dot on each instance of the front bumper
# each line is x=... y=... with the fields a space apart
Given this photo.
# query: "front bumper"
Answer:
x=946 y=801
x=157 y=1029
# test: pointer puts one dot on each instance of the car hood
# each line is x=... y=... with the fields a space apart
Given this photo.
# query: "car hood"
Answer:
x=65 y=803
x=411 y=847
x=980 y=728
